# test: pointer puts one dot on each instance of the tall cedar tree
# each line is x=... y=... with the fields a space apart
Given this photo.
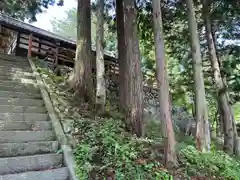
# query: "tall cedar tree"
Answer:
x=121 y=49
x=101 y=89
x=223 y=104
x=163 y=85
x=82 y=77
x=203 y=132
x=133 y=74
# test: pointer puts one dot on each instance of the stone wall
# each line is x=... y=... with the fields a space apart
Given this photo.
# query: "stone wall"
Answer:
x=151 y=101
x=181 y=119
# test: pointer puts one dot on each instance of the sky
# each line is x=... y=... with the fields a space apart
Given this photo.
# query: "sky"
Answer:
x=44 y=19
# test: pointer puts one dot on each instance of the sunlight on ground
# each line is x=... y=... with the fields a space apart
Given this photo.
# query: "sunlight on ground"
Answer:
x=23 y=77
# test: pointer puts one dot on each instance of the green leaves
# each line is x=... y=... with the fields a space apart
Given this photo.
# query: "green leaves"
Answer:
x=105 y=147
x=217 y=164
x=26 y=9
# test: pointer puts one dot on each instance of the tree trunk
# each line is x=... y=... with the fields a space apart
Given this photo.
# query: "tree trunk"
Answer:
x=133 y=74
x=82 y=77
x=101 y=89
x=224 y=106
x=162 y=79
x=236 y=148
x=218 y=120
x=203 y=133
x=121 y=50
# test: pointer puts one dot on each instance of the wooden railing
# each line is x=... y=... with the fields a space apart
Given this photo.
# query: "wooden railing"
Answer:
x=43 y=48
x=59 y=55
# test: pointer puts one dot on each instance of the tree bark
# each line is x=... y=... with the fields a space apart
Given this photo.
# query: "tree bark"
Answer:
x=162 y=79
x=133 y=74
x=224 y=106
x=101 y=89
x=82 y=77
x=121 y=50
x=203 y=133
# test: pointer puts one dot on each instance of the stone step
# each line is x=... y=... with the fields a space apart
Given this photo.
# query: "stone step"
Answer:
x=13 y=94
x=26 y=149
x=20 y=81
x=21 y=101
x=22 y=64
x=14 y=68
x=10 y=77
x=13 y=59
x=19 y=84
x=6 y=125
x=24 y=116
x=30 y=163
x=19 y=89
x=15 y=74
x=21 y=109
x=53 y=174
x=26 y=136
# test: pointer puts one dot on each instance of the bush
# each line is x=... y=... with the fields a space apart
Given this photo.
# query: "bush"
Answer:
x=213 y=164
x=105 y=150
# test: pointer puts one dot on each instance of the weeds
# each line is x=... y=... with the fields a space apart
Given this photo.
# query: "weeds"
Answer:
x=105 y=151
x=212 y=164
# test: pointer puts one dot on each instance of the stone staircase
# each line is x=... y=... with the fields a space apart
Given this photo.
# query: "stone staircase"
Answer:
x=29 y=149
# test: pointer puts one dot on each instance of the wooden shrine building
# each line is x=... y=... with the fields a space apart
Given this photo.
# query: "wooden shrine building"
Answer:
x=22 y=39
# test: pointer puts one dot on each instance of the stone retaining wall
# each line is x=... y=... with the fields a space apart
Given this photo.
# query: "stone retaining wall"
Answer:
x=68 y=113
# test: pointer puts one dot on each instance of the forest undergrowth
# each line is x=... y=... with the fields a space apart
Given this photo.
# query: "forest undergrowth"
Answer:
x=105 y=150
